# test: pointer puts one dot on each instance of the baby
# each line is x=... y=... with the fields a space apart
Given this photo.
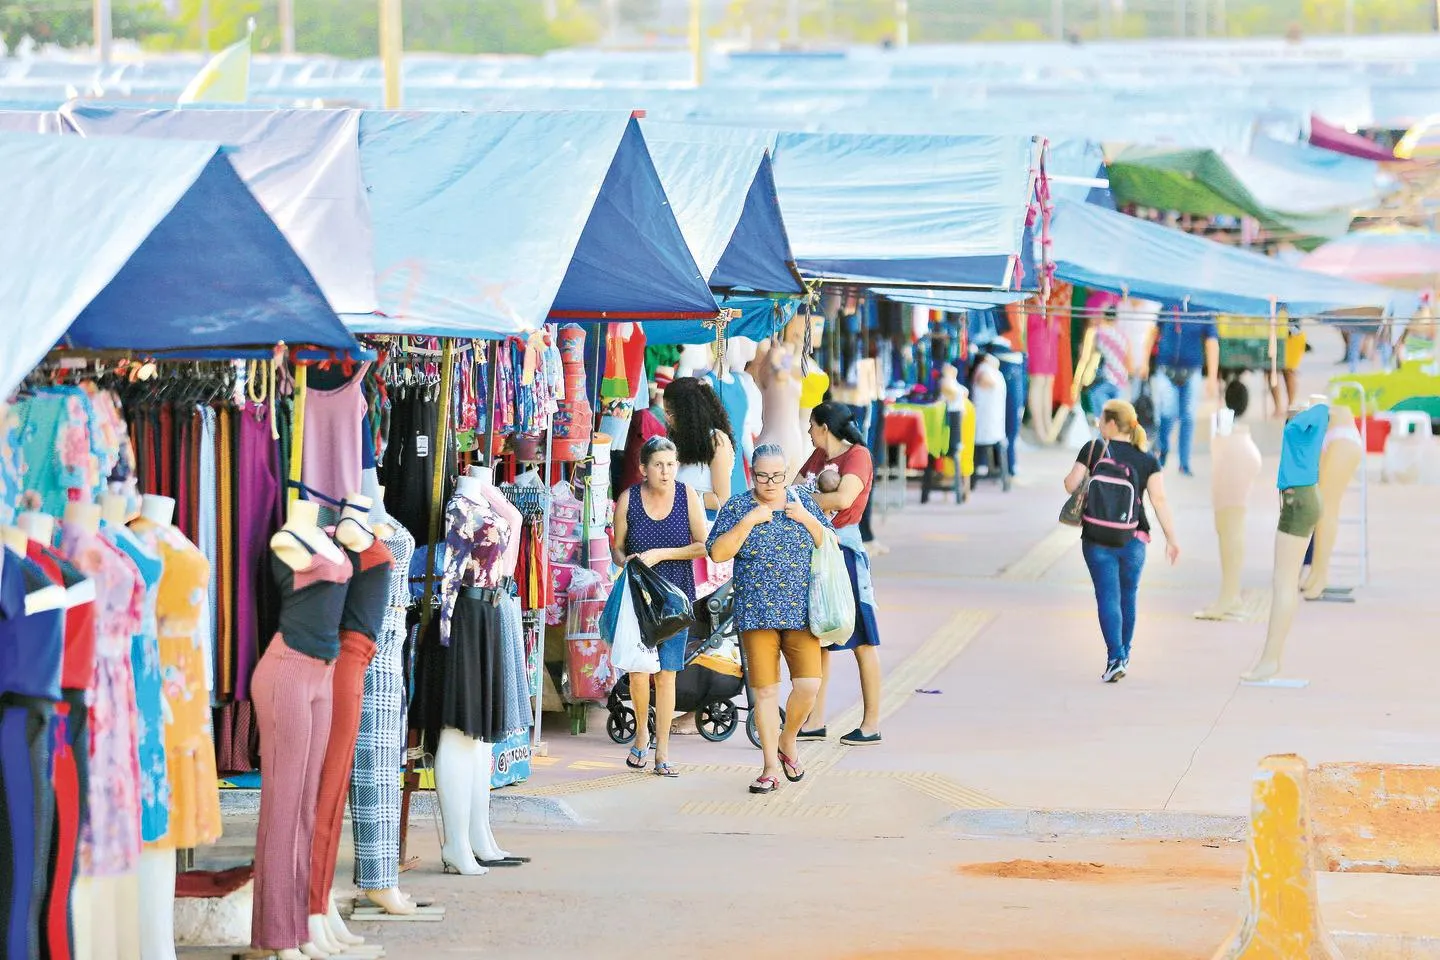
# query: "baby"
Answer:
x=828 y=480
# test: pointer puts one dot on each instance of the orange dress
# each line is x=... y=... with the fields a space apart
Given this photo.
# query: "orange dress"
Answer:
x=189 y=744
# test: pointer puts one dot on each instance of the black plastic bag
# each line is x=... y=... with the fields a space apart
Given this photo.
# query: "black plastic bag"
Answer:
x=661 y=607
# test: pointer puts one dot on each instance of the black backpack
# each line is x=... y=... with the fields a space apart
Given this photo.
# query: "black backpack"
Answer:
x=1112 y=508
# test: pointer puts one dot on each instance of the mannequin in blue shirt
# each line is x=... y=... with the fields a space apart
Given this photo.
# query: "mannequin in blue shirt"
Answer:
x=1299 y=512
x=1182 y=348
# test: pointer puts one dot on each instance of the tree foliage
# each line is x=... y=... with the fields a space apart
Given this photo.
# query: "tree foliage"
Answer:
x=70 y=23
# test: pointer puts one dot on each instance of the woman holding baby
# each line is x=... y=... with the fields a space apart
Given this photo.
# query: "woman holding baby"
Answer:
x=841 y=474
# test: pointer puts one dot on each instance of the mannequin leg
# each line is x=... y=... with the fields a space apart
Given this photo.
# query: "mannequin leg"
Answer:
x=82 y=909
x=338 y=930
x=157 y=907
x=1042 y=391
x=1289 y=553
x=455 y=773
x=127 y=912
x=1326 y=530
x=106 y=923
x=1230 y=528
x=482 y=837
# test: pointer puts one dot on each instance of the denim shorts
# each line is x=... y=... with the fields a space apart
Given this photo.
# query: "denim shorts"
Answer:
x=672 y=652
x=1299 y=510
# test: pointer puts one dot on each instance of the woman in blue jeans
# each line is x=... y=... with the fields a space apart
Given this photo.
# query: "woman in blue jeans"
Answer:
x=1115 y=571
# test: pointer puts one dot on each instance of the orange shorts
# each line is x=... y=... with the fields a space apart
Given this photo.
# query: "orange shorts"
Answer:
x=763 y=649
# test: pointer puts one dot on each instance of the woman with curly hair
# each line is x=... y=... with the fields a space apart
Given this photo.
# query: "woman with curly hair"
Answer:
x=703 y=440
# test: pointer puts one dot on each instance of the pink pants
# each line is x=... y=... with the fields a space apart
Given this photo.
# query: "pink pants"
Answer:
x=292 y=694
x=356 y=652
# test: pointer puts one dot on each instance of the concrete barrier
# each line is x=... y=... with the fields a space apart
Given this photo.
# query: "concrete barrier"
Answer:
x=1281 y=919
x=1376 y=817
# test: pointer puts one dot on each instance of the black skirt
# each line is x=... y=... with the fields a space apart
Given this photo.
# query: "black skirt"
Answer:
x=463 y=685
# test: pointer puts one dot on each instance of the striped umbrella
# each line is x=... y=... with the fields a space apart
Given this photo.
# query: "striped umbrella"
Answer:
x=1389 y=255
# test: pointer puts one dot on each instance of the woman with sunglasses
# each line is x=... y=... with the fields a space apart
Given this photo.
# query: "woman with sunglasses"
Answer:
x=662 y=523
x=770 y=533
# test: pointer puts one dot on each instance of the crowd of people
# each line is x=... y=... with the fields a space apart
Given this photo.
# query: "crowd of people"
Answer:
x=685 y=502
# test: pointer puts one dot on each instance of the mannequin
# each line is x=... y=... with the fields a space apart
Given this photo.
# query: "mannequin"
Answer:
x=294 y=699
x=374 y=789
x=1340 y=457
x=778 y=376
x=1235 y=465
x=1299 y=511
x=37 y=526
x=1042 y=337
x=739 y=352
x=732 y=396
x=696 y=360
x=482 y=838
x=365 y=600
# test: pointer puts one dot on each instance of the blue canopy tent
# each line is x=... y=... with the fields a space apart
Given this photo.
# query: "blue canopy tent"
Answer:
x=723 y=193
x=954 y=300
x=123 y=244
x=759 y=317
x=1105 y=250
x=302 y=165
x=488 y=224
x=934 y=210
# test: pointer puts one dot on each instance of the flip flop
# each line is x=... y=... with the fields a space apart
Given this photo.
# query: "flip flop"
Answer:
x=787 y=765
x=764 y=785
x=664 y=769
x=636 y=760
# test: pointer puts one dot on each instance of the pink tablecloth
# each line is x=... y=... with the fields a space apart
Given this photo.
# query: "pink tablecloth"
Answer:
x=907 y=427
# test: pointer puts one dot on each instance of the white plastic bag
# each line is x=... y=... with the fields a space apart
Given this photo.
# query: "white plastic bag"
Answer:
x=832 y=603
x=628 y=653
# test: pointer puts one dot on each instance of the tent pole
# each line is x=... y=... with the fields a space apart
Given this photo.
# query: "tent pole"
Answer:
x=297 y=434
x=392 y=45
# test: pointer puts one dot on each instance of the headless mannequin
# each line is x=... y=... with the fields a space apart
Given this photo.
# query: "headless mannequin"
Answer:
x=1236 y=464
x=157 y=861
x=1042 y=385
x=302 y=521
x=37 y=526
x=482 y=837
x=1339 y=460
x=696 y=360
x=778 y=376
x=739 y=352
x=1290 y=550
x=392 y=900
x=462 y=765
x=328 y=930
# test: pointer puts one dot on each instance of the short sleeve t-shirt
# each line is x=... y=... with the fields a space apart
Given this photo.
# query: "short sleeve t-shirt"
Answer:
x=1300 y=451
x=1141 y=463
x=855 y=462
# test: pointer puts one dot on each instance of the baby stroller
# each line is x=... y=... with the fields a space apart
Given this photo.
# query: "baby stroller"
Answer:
x=706 y=686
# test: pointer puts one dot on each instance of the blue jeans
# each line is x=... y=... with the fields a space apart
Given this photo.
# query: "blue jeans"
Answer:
x=1101 y=393
x=1115 y=571
x=1174 y=403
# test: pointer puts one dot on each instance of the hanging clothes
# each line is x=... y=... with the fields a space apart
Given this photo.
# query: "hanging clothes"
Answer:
x=334 y=422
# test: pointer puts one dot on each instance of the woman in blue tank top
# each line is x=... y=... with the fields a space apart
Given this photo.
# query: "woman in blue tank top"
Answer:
x=661 y=522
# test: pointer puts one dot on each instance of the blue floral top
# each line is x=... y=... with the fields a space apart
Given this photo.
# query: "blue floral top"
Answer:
x=772 y=569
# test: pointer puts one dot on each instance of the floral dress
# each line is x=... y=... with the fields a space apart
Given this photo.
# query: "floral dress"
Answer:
x=110 y=842
x=181 y=603
x=475 y=541
x=772 y=569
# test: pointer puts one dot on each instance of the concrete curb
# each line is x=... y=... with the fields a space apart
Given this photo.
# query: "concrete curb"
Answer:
x=509 y=808
x=1114 y=824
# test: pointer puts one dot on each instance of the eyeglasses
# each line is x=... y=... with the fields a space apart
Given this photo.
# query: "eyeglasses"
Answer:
x=770 y=477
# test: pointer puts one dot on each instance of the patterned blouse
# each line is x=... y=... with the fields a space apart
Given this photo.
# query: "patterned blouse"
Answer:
x=772 y=569
x=475 y=541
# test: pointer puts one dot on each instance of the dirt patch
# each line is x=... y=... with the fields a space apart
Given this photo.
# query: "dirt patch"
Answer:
x=1080 y=872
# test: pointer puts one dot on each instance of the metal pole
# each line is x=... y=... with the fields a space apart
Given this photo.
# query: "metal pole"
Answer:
x=287 y=27
x=204 y=24
x=792 y=19
x=1181 y=12
x=392 y=46
x=697 y=42
x=1221 y=27
x=902 y=23
x=1202 y=20
x=103 y=30
x=1057 y=19
x=1349 y=17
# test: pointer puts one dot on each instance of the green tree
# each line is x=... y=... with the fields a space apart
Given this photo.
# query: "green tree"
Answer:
x=67 y=23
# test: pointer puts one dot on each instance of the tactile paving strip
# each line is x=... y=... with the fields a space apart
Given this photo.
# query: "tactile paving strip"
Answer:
x=1044 y=555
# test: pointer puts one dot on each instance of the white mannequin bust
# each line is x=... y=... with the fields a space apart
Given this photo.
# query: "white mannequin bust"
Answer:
x=696 y=359
x=486 y=475
x=37 y=526
x=83 y=516
x=471 y=488
x=158 y=510
x=113 y=508
x=353 y=529
x=302 y=523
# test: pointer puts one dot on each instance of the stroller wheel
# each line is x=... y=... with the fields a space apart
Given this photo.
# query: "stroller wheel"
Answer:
x=717 y=720
x=753 y=732
x=621 y=725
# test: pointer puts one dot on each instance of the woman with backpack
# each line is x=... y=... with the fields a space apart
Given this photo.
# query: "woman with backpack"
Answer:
x=1114 y=527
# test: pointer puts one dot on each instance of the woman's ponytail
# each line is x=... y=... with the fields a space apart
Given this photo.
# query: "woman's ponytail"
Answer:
x=1139 y=439
x=1127 y=421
